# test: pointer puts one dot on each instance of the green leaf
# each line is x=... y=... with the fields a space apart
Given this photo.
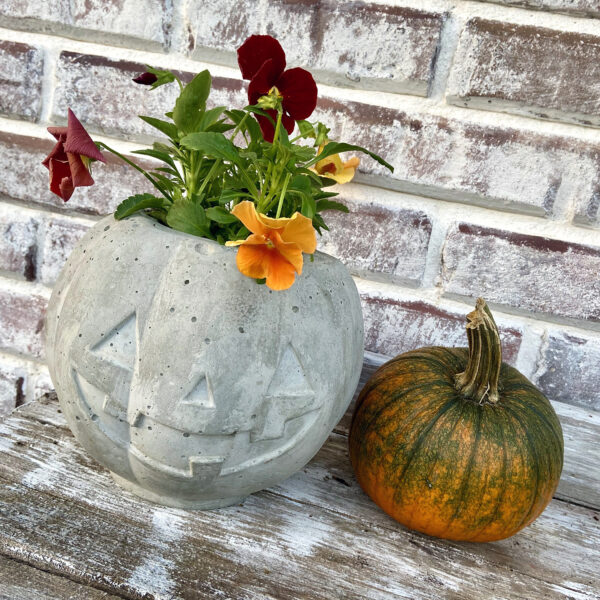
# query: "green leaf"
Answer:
x=189 y=217
x=220 y=215
x=213 y=144
x=258 y=111
x=302 y=153
x=167 y=128
x=164 y=148
x=242 y=234
x=209 y=117
x=337 y=147
x=308 y=207
x=322 y=133
x=250 y=125
x=175 y=174
x=284 y=138
x=162 y=77
x=325 y=204
x=159 y=215
x=138 y=202
x=254 y=130
x=166 y=158
x=319 y=224
x=228 y=196
x=306 y=129
x=220 y=127
x=190 y=106
x=300 y=184
x=327 y=181
x=165 y=182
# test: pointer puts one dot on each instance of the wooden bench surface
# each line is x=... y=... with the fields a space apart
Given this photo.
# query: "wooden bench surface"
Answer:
x=67 y=531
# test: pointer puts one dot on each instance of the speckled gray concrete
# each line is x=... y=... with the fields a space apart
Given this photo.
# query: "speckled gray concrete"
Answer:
x=194 y=385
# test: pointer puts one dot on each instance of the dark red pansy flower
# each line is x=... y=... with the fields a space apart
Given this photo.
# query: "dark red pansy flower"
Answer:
x=262 y=61
x=146 y=78
x=65 y=163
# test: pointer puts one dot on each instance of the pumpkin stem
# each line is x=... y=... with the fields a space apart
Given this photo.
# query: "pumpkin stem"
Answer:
x=480 y=379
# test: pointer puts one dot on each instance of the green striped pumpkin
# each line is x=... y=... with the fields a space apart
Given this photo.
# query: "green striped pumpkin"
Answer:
x=455 y=443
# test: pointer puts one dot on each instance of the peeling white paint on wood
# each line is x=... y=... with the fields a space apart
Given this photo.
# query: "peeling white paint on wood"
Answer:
x=154 y=573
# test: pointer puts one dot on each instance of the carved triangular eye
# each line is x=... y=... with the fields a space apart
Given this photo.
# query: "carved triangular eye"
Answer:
x=201 y=394
x=119 y=346
x=289 y=378
x=288 y=397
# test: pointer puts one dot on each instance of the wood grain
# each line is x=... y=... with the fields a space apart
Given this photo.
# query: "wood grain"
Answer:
x=20 y=581
x=316 y=535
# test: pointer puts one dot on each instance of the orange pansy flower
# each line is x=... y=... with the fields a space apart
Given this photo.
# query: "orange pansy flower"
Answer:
x=274 y=249
x=333 y=167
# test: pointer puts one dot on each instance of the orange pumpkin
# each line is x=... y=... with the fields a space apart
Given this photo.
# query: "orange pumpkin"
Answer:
x=455 y=443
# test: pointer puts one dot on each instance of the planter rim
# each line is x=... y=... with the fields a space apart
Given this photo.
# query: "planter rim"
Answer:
x=225 y=249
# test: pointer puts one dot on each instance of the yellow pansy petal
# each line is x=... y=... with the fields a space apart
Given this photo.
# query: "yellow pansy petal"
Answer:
x=331 y=164
x=344 y=176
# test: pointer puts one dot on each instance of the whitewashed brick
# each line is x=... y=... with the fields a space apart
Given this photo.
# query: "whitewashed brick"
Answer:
x=18 y=241
x=337 y=40
x=583 y=8
x=22 y=68
x=545 y=73
x=568 y=370
x=523 y=272
x=13 y=384
x=126 y=22
x=498 y=167
x=60 y=237
x=394 y=326
x=380 y=240
x=22 y=322
x=100 y=91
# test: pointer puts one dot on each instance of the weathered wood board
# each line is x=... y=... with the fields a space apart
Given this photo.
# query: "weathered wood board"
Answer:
x=19 y=580
x=316 y=535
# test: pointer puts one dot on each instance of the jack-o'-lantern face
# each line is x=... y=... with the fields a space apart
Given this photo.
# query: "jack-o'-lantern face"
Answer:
x=181 y=374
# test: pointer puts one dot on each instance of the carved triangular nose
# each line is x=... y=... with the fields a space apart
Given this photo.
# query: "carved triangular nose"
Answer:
x=201 y=394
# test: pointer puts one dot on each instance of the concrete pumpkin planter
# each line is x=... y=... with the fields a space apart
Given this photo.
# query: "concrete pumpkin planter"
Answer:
x=192 y=384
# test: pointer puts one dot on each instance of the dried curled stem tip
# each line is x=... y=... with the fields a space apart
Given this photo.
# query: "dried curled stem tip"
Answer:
x=480 y=379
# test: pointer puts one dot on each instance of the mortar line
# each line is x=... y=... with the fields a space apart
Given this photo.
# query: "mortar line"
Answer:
x=48 y=87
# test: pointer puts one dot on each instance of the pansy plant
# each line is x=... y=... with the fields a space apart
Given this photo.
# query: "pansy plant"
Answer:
x=232 y=175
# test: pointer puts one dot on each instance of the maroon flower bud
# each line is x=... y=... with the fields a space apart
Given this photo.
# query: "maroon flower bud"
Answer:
x=69 y=160
x=145 y=78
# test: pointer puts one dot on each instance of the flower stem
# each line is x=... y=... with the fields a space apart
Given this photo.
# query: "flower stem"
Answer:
x=209 y=175
x=277 y=125
x=137 y=168
x=480 y=379
x=283 y=190
x=238 y=126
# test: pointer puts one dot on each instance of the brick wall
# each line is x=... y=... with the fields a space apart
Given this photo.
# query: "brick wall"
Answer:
x=489 y=111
